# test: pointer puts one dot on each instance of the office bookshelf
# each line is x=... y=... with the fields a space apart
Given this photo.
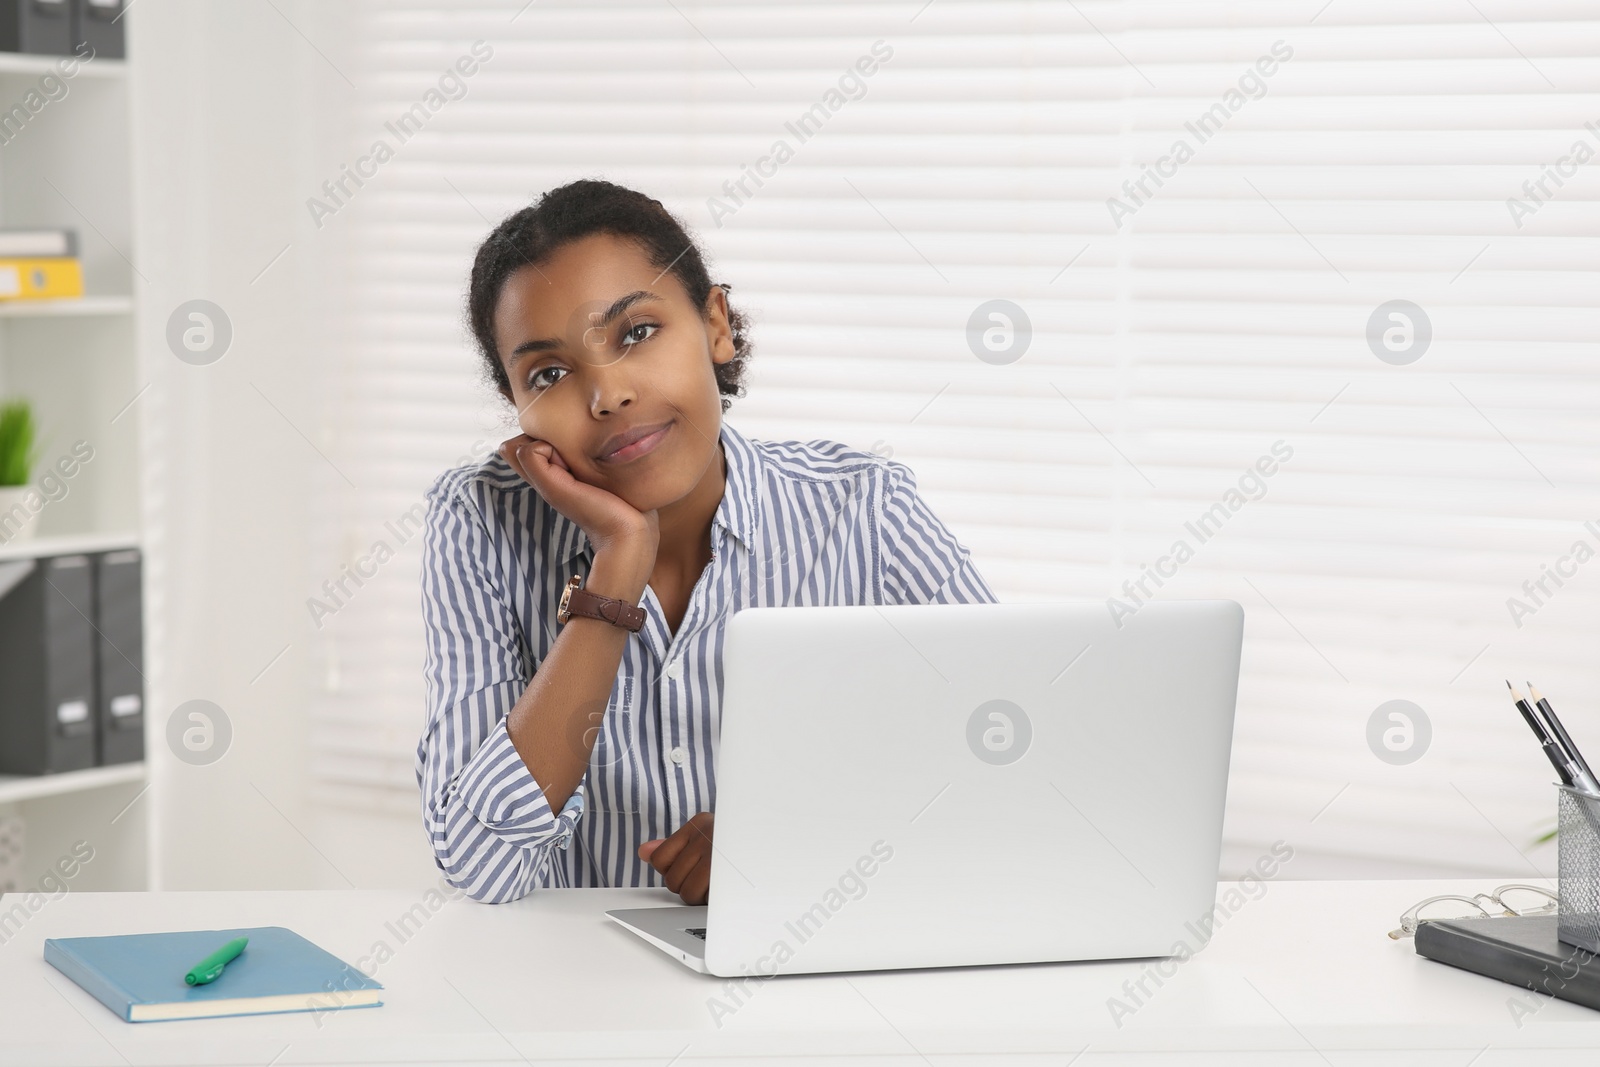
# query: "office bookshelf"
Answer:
x=88 y=305
x=15 y=788
x=69 y=164
x=16 y=65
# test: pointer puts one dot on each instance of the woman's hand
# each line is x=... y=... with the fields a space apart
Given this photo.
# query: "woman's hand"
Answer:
x=611 y=522
x=684 y=859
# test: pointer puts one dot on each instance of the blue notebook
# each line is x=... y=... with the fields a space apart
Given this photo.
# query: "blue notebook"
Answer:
x=140 y=976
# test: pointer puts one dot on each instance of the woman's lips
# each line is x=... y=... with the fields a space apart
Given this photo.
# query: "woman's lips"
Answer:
x=642 y=446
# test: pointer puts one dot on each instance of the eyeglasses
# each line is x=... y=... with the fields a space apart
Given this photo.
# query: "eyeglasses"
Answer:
x=1510 y=899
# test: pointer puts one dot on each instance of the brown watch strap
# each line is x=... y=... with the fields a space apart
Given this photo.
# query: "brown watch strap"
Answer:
x=576 y=600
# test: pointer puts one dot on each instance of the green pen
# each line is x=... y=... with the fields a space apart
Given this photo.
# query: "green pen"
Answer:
x=210 y=968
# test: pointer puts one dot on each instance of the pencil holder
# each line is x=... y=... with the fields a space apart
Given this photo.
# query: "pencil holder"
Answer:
x=1578 y=845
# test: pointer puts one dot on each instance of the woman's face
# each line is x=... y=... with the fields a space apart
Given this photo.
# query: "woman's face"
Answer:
x=597 y=343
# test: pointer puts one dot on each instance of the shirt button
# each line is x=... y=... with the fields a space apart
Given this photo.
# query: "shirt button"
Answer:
x=678 y=755
x=675 y=669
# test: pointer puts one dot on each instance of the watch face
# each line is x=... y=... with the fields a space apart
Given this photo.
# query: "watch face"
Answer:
x=561 y=612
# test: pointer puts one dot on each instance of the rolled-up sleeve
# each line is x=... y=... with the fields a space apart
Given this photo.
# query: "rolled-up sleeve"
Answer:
x=490 y=825
x=922 y=561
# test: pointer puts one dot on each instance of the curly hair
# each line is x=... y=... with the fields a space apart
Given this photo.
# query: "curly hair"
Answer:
x=574 y=211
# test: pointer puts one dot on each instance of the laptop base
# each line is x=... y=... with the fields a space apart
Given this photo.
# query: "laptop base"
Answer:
x=669 y=930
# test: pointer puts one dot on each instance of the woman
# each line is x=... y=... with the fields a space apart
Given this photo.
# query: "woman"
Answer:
x=598 y=322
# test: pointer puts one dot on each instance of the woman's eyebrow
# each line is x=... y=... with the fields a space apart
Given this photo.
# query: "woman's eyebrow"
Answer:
x=551 y=344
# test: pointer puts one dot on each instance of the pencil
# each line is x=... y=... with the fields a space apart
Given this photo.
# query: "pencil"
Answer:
x=1551 y=750
x=1583 y=777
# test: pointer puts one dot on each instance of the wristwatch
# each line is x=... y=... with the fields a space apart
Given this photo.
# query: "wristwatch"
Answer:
x=576 y=600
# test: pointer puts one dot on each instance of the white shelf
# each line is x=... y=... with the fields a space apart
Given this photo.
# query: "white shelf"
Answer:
x=33 y=65
x=39 y=547
x=17 y=787
x=86 y=305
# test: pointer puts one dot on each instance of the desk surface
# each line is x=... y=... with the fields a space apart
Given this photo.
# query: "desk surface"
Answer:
x=1300 y=973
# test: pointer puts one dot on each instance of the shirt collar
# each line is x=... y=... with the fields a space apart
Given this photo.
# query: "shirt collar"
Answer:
x=739 y=512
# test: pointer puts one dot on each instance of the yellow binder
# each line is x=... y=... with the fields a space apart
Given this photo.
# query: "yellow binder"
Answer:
x=47 y=278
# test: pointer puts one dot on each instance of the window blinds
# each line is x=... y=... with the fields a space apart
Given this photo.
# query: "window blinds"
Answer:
x=1116 y=279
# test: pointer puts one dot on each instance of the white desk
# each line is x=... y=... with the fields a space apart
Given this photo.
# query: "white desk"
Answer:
x=1303 y=974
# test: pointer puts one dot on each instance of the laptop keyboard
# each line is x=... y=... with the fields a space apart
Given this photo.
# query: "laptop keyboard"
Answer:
x=697 y=931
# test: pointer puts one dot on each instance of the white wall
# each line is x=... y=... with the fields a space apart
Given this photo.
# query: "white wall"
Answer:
x=231 y=103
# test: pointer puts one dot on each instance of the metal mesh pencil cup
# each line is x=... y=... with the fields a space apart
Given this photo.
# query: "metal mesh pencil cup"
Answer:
x=1578 y=844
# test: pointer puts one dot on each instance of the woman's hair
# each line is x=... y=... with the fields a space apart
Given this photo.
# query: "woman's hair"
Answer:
x=574 y=211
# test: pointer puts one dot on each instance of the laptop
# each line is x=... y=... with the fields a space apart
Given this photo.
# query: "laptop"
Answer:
x=962 y=784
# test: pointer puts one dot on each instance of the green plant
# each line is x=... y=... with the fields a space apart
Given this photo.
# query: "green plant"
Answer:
x=19 y=448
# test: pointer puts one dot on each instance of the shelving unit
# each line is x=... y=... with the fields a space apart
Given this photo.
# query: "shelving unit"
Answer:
x=70 y=165
x=16 y=788
x=36 y=66
x=89 y=305
x=67 y=545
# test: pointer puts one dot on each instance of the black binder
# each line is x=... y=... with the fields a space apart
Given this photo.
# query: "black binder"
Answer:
x=47 y=661
x=41 y=27
x=98 y=23
x=120 y=656
x=1522 y=950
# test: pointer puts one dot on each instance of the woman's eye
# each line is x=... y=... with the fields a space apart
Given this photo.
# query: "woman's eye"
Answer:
x=636 y=333
x=537 y=381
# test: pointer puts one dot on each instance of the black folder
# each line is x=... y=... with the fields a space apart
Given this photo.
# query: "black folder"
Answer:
x=98 y=24
x=47 y=663
x=120 y=642
x=1522 y=950
x=36 y=26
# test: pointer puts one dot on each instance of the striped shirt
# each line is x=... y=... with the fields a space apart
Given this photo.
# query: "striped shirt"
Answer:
x=803 y=524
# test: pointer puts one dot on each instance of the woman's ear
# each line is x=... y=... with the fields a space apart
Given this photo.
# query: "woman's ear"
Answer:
x=718 y=329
